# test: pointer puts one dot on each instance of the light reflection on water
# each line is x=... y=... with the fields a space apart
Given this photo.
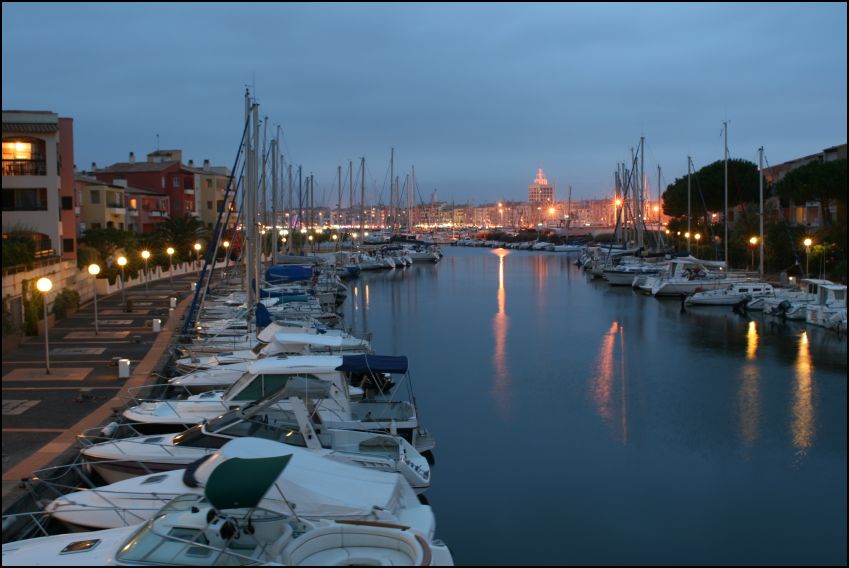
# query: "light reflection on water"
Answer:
x=749 y=395
x=500 y=323
x=803 y=403
x=610 y=427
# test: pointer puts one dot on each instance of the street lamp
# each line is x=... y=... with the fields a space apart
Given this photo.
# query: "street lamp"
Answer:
x=122 y=262
x=94 y=270
x=170 y=251
x=754 y=242
x=146 y=255
x=197 y=254
x=698 y=237
x=44 y=285
x=807 y=242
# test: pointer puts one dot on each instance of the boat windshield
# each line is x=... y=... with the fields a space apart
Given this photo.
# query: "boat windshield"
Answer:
x=177 y=536
x=195 y=437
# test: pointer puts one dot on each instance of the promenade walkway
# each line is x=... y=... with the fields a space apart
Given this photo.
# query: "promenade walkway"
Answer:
x=42 y=414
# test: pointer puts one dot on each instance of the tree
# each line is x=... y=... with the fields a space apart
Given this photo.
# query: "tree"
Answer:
x=818 y=181
x=181 y=233
x=742 y=188
x=108 y=241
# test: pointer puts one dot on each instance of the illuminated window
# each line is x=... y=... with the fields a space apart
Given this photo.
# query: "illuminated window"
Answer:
x=24 y=157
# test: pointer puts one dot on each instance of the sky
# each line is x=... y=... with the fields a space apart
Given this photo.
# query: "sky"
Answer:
x=476 y=97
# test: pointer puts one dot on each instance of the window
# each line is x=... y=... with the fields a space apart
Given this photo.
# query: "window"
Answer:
x=176 y=181
x=209 y=204
x=208 y=183
x=67 y=245
x=134 y=204
x=96 y=226
x=24 y=157
x=67 y=203
x=25 y=199
x=95 y=197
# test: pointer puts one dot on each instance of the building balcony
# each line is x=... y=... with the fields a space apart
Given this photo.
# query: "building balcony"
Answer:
x=158 y=213
x=132 y=212
x=189 y=191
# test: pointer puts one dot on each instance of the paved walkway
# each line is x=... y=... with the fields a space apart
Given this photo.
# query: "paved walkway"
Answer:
x=43 y=414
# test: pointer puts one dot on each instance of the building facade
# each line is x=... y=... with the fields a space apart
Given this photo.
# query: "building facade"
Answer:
x=540 y=191
x=38 y=180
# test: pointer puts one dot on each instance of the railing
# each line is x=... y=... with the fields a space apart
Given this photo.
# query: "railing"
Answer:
x=8 y=271
x=25 y=167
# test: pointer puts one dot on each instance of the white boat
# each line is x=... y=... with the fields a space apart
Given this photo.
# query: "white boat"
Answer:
x=794 y=305
x=568 y=248
x=829 y=309
x=685 y=276
x=322 y=376
x=230 y=522
x=314 y=486
x=119 y=459
x=732 y=294
x=282 y=343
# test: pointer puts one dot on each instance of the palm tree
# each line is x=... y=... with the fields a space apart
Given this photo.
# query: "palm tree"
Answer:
x=182 y=233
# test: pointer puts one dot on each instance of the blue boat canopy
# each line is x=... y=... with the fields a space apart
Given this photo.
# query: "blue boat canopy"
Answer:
x=288 y=273
x=263 y=317
x=361 y=364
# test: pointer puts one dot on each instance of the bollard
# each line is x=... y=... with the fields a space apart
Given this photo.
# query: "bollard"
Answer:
x=157 y=325
x=123 y=368
x=173 y=302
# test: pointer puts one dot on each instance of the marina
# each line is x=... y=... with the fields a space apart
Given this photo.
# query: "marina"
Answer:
x=457 y=284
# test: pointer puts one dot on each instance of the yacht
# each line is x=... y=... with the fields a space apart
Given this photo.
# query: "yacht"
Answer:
x=732 y=294
x=231 y=522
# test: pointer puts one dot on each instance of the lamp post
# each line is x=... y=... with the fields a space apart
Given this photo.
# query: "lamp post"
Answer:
x=94 y=270
x=807 y=242
x=44 y=285
x=146 y=255
x=754 y=242
x=335 y=238
x=170 y=251
x=226 y=245
x=122 y=262
x=197 y=255
x=698 y=237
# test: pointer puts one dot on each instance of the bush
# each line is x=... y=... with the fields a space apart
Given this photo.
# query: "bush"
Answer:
x=18 y=250
x=9 y=327
x=33 y=307
x=66 y=300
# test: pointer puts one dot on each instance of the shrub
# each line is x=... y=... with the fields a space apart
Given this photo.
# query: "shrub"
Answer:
x=66 y=300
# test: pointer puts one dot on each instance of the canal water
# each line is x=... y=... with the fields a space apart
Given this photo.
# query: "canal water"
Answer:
x=578 y=423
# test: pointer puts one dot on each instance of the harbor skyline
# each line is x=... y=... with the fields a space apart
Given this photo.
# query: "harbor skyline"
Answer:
x=477 y=98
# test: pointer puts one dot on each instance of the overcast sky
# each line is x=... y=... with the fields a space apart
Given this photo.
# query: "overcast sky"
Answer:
x=475 y=96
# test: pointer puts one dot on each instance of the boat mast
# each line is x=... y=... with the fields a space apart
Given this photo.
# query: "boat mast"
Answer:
x=289 y=219
x=274 y=234
x=392 y=188
x=640 y=203
x=761 y=209
x=247 y=241
x=725 y=217
x=411 y=191
x=350 y=192
x=689 y=162
x=362 y=193
x=256 y=241
x=339 y=201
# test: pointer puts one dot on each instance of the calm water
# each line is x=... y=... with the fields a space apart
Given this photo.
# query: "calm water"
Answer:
x=582 y=424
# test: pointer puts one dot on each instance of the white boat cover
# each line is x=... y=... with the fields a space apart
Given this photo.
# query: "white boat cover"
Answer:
x=317 y=486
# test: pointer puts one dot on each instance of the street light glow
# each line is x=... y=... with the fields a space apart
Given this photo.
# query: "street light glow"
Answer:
x=44 y=285
x=197 y=246
x=145 y=254
x=170 y=251
x=122 y=261
x=808 y=242
x=93 y=269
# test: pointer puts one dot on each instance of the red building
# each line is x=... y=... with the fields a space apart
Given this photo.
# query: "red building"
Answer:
x=163 y=174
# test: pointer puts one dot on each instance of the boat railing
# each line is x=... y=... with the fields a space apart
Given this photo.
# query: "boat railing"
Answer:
x=111 y=432
x=135 y=394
